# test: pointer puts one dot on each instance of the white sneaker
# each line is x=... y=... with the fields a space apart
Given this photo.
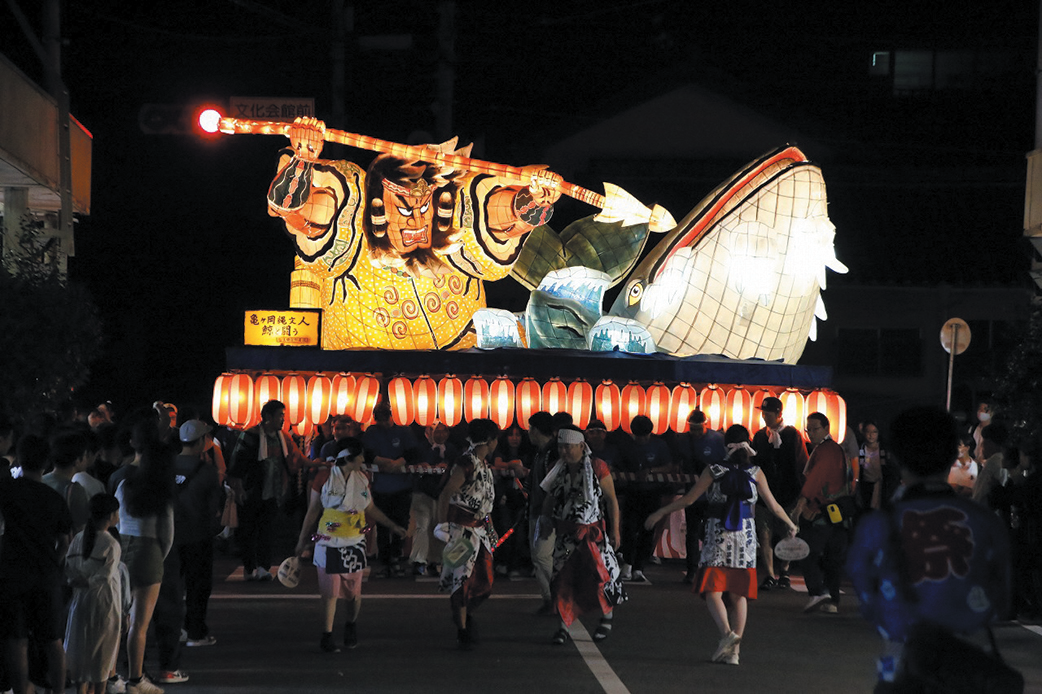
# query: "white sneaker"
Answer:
x=207 y=640
x=145 y=686
x=638 y=576
x=627 y=572
x=118 y=685
x=814 y=601
x=830 y=608
x=259 y=574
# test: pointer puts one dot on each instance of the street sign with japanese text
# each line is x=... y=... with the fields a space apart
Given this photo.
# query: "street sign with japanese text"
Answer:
x=282 y=328
x=270 y=108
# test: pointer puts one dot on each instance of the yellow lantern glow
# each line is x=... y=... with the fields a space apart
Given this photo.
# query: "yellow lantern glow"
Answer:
x=830 y=404
x=793 y=408
x=221 y=395
x=528 y=397
x=555 y=396
x=634 y=401
x=682 y=401
x=342 y=398
x=365 y=399
x=425 y=400
x=400 y=398
x=450 y=400
x=319 y=391
x=609 y=404
x=240 y=400
x=501 y=402
x=657 y=407
x=580 y=402
x=738 y=408
x=711 y=402
x=304 y=428
x=475 y=399
x=294 y=397
x=266 y=387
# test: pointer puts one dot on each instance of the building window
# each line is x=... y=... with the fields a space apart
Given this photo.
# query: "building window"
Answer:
x=880 y=64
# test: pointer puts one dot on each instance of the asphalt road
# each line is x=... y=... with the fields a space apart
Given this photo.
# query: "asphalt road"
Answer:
x=267 y=641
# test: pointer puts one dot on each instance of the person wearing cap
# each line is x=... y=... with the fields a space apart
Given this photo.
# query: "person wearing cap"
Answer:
x=262 y=463
x=184 y=592
x=391 y=448
x=332 y=533
x=728 y=560
x=782 y=456
x=586 y=573
x=698 y=448
x=466 y=529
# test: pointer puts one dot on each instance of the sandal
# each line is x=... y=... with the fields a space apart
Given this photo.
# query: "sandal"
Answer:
x=783 y=581
x=559 y=637
x=603 y=630
x=768 y=584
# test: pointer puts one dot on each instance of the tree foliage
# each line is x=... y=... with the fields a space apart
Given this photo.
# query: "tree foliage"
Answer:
x=1018 y=397
x=50 y=332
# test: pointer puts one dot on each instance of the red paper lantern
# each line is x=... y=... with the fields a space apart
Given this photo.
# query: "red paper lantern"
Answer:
x=475 y=399
x=425 y=400
x=794 y=410
x=450 y=400
x=240 y=400
x=528 y=397
x=555 y=396
x=342 y=398
x=221 y=393
x=682 y=401
x=830 y=404
x=320 y=388
x=657 y=407
x=266 y=387
x=400 y=398
x=294 y=397
x=711 y=402
x=366 y=393
x=634 y=400
x=580 y=402
x=501 y=402
x=738 y=408
x=304 y=428
x=609 y=404
x=758 y=398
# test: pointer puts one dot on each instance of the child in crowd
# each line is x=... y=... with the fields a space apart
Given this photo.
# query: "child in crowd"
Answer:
x=96 y=612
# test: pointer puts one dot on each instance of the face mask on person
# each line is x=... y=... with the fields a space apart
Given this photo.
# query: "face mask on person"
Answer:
x=984 y=416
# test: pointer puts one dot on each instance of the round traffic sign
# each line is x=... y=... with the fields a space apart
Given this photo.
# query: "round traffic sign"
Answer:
x=956 y=332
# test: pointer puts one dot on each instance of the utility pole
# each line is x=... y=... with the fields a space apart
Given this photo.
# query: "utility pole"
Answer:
x=1033 y=184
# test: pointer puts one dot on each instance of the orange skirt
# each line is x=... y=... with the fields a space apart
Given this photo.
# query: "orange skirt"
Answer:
x=719 y=579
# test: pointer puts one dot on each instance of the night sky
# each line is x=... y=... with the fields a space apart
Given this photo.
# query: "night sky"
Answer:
x=178 y=244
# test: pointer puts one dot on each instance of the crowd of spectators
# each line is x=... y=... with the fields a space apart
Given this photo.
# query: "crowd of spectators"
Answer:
x=119 y=519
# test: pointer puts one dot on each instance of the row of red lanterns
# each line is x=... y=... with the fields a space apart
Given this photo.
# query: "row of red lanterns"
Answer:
x=238 y=398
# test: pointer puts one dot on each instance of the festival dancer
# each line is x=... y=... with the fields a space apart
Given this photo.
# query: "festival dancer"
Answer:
x=464 y=525
x=728 y=562
x=586 y=575
x=340 y=501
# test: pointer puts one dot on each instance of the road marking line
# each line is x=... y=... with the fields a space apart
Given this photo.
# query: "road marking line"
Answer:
x=606 y=677
x=1033 y=628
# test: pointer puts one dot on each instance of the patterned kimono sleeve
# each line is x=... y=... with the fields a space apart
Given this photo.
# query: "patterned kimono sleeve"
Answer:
x=483 y=255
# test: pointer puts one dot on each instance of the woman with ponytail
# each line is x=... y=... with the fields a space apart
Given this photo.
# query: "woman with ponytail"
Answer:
x=728 y=561
x=146 y=527
x=95 y=613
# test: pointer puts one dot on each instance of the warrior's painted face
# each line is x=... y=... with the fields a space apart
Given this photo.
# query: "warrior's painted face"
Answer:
x=409 y=219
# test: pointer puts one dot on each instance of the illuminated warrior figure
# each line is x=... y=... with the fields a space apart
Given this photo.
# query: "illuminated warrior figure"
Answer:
x=396 y=256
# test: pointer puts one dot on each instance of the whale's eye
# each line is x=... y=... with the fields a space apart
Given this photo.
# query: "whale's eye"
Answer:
x=636 y=291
